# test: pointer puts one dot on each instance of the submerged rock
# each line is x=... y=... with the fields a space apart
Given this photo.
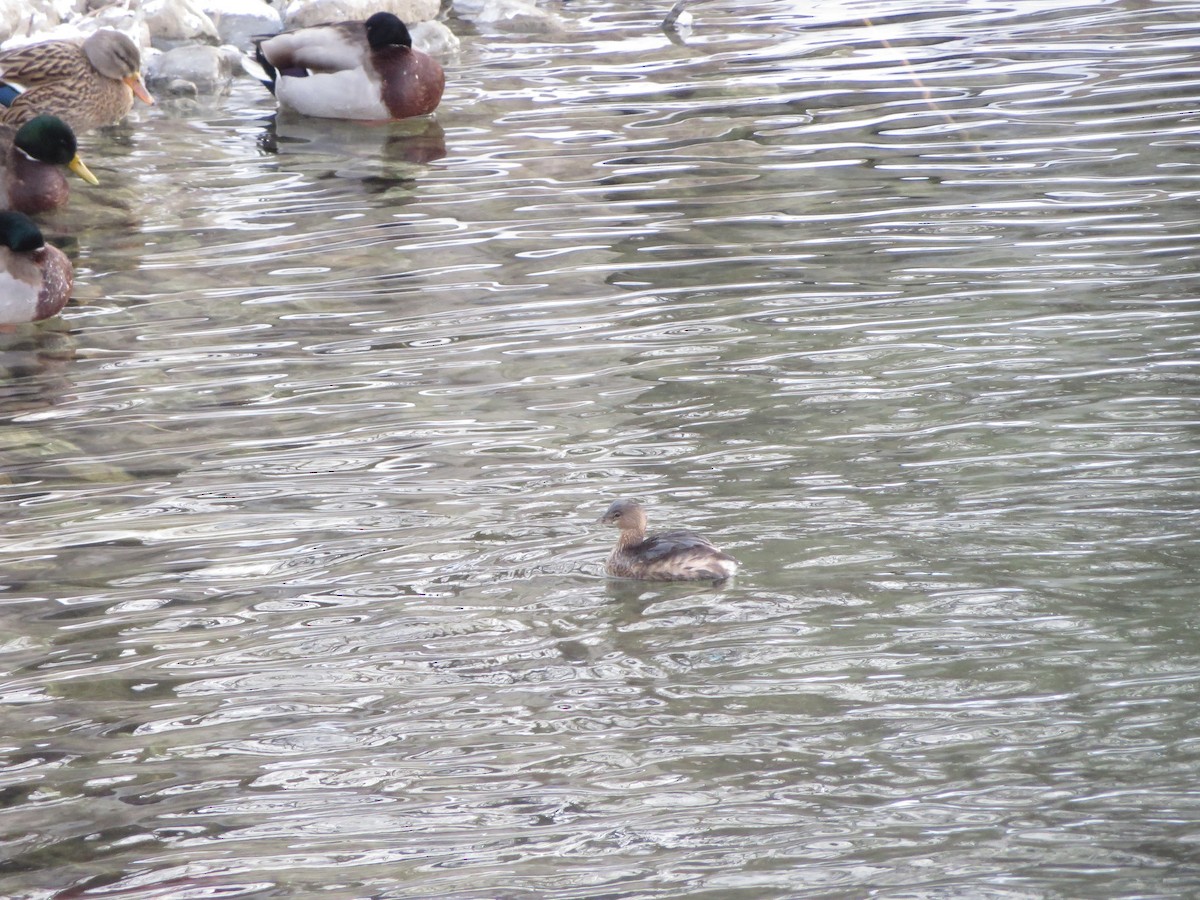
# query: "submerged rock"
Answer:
x=190 y=70
x=509 y=15
x=434 y=38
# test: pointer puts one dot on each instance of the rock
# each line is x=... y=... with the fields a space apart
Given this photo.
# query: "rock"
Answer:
x=21 y=17
x=42 y=20
x=16 y=16
x=509 y=15
x=177 y=87
x=303 y=13
x=78 y=28
x=190 y=69
x=434 y=38
x=129 y=21
x=238 y=21
x=175 y=22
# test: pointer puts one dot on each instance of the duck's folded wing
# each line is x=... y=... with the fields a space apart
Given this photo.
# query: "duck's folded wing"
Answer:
x=670 y=543
x=683 y=555
x=36 y=64
x=320 y=49
x=56 y=99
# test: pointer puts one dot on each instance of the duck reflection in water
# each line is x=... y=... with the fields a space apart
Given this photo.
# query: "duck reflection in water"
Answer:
x=375 y=152
x=670 y=556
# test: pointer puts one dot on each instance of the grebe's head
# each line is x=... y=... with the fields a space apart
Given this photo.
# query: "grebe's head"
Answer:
x=625 y=514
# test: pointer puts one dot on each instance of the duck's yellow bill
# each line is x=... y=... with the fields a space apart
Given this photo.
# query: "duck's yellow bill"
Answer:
x=139 y=88
x=76 y=165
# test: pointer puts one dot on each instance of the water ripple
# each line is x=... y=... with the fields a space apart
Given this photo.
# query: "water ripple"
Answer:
x=302 y=583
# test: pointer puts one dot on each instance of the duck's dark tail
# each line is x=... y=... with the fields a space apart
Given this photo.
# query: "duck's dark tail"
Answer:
x=258 y=67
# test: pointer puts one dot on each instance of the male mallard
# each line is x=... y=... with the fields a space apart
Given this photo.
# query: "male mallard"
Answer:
x=35 y=277
x=30 y=179
x=86 y=84
x=352 y=70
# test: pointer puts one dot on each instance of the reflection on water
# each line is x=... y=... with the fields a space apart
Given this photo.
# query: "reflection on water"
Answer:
x=302 y=591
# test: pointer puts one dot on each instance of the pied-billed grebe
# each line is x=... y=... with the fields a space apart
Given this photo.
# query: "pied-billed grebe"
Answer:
x=671 y=556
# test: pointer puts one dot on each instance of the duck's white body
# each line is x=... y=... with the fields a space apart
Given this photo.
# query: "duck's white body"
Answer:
x=33 y=284
x=349 y=94
x=20 y=285
x=352 y=70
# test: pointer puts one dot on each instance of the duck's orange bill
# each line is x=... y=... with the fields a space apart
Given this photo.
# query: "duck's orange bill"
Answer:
x=139 y=89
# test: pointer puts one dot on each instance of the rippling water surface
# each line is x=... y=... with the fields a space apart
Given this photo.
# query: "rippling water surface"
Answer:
x=301 y=591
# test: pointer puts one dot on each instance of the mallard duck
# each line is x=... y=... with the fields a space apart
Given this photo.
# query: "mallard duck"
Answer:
x=35 y=277
x=30 y=178
x=671 y=556
x=86 y=84
x=352 y=70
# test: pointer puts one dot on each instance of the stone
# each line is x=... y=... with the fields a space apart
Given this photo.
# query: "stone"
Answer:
x=509 y=15
x=175 y=22
x=116 y=17
x=239 y=21
x=177 y=88
x=206 y=69
x=22 y=18
x=303 y=13
x=129 y=21
x=434 y=38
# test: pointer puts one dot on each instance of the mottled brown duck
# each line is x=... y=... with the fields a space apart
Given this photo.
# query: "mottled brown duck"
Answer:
x=85 y=83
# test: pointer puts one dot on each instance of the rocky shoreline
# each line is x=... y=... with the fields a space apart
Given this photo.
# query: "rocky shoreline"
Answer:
x=195 y=47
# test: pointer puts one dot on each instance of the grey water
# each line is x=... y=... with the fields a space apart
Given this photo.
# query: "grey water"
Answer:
x=301 y=590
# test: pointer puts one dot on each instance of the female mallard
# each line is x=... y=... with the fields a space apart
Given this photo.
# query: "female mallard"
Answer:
x=35 y=277
x=30 y=179
x=671 y=556
x=85 y=84
x=352 y=70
